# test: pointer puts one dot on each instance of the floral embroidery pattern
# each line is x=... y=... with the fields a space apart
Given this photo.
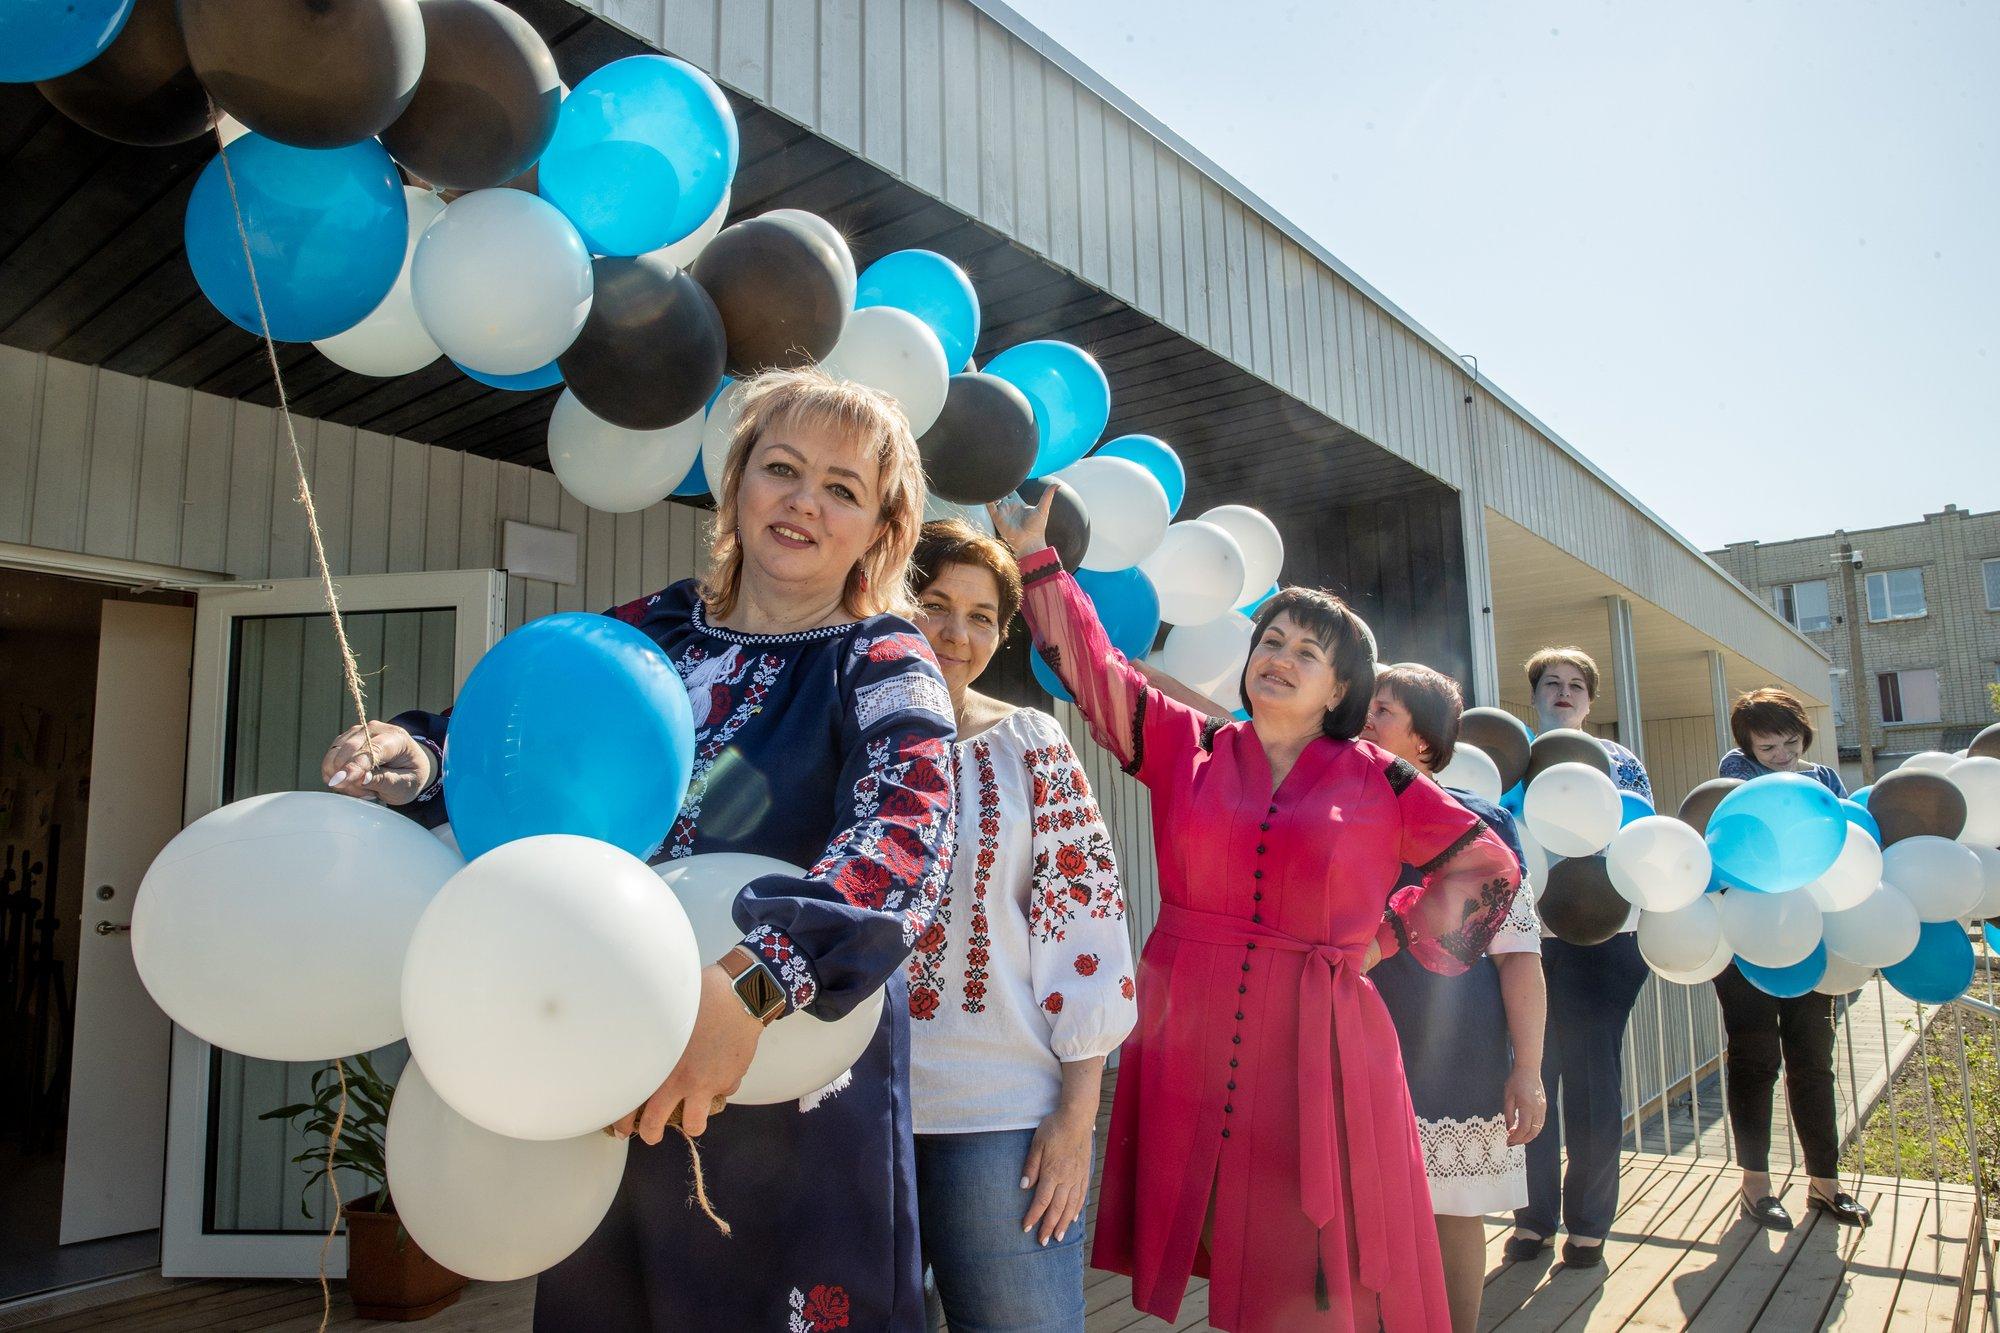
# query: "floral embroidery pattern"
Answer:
x=1125 y=987
x=820 y=1310
x=979 y=945
x=1054 y=1003
x=896 y=856
x=1075 y=868
x=927 y=959
x=694 y=664
x=1086 y=964
x=784 y=959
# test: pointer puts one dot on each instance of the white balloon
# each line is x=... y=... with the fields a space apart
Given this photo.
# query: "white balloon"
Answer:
x=1683 y=939
x=1127 y=506
x=1203 y=656
x=1263 y=549
x=936 y=508
x=1853 y=876
x=1659 y=864
x=893 y=351
x=1942 y=879
x=1979 y=781
x=1198 y=571
x=391 y=340
x=487 y=1206
x=502 y=282
x=684 y=251
x=1710 y=969
x=275 y=927
x=1769 y=929
x=1471 y=769
x=1573 y=809
x=1989 y=893
x=1929 y=761
x=614 y=469
x=551 y=987
x=1843 y=976
x=832 y=236
x=718 y=432
x=1879 y=931
x=799 y=1053
x=1534 y=860
x=230 y=128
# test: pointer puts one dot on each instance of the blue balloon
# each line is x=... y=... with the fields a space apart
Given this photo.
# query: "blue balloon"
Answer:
x=1860 y=798
x=1512 y=799
x=574 y=723
x=1635 y=807
x=546 y=378
x=1787 y=982
x=1128 y=606
x=1157 y=458
x=933 y=289
x=1047 y=678
x=1992 y=937
x=1776 y=832
x=44 y=39
x=1939 y=969
x=1857 y=815
x=1067 y=389
x=644 y=150
x=1250 y=608
x=1241 y=715
x=328 y=227
x=696 y=480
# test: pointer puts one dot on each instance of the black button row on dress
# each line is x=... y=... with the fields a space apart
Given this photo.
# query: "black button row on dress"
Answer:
x=1249 y=947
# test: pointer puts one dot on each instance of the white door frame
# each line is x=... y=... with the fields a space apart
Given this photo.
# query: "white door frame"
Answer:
x=479 y=597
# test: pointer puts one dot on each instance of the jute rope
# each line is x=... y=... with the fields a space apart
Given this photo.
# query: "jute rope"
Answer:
x=351 y=675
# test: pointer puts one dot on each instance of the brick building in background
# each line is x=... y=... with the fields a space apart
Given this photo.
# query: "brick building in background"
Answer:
x=1929 y=628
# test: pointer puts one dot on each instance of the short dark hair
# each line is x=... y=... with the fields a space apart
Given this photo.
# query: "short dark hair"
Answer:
x=953 y=541
x=1349 y=644
x=1435 y=703
x=1768 y=712
x=1570 y=656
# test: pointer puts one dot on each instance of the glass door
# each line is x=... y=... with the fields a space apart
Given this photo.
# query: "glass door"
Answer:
x=267 y=699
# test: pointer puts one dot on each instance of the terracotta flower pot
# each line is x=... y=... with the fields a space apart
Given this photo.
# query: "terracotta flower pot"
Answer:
x=388 y=1275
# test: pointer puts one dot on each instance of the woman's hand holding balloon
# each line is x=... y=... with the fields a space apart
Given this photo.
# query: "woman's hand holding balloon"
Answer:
x=711 y=1068
x=400 y=768
x=1024 y=529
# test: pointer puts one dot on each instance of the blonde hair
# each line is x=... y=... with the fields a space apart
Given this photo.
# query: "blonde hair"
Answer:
x=1571 y=657
x=810 y=399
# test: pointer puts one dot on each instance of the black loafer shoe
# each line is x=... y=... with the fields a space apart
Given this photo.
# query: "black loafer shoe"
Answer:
x=1582 y=1256
x=1842 y=1208
x=1767 y=1212
x=1520 y=1249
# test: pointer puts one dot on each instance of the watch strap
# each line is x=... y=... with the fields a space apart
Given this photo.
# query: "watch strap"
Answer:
x=761 y=995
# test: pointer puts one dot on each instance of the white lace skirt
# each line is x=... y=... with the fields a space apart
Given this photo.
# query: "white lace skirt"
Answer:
x=1472 y=1169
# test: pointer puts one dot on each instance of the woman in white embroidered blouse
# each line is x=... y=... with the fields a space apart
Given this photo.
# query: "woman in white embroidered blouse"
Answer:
x=1021 y=986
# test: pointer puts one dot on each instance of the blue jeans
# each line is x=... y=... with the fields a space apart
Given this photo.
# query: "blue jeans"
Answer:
x=991 y=1276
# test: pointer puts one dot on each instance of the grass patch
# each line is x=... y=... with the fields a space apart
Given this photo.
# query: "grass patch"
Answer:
x=1924 y=1139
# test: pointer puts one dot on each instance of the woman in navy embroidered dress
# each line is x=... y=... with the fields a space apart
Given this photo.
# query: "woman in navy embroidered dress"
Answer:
x=822 y=735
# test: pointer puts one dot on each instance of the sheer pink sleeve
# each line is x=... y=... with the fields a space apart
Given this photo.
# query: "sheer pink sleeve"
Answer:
x=1147 y=732
x=1466 y=877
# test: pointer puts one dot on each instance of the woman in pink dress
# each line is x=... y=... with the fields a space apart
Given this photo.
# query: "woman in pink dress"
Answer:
x=1262 y=1134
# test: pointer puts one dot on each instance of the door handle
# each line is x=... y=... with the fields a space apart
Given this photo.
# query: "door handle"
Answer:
x=112 y=927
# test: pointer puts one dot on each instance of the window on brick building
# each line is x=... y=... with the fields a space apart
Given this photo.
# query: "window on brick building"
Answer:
x=1990 y=570
x=1909 y=696
x=1804 y=604
x=1896 y=594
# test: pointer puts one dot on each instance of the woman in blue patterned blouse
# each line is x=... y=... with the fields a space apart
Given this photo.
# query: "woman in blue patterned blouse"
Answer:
x=1591 y=992
x=822 y=737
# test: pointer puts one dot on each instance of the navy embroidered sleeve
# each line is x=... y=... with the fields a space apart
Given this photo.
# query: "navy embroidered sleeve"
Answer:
x=428 y=730
x=834 y=937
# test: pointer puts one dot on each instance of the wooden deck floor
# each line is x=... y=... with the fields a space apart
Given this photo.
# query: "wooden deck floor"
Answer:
x=1677 y=1258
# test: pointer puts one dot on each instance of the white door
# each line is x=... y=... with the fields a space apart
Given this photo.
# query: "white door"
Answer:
x=267 y=699
x=118 y=1076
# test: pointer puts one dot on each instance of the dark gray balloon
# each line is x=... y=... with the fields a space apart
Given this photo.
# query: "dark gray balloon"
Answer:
x=1986 y=745
x=1581 y=905
x=1910 y=802
x=486 y=105
x=142 y=90
x=652 y=348
x=1504 y=738
x=1700 y=803
x=1566 y=745
x=1069 y=521
x=311 y=73
x=981 y=446
x=778 y=284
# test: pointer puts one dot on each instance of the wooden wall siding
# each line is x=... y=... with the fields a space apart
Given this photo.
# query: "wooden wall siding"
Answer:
x=1401 y=564
x=99 y=463
x=994 y=121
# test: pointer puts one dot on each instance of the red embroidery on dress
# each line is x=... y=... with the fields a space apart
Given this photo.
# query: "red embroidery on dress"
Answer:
x=1054 y=1003
x=1081 y=872
x=976 y=955
x=1086 y=964
x=1125 y=987
x=821 y=1310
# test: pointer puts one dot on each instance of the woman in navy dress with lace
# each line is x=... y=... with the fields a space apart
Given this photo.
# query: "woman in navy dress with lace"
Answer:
x=822 y=730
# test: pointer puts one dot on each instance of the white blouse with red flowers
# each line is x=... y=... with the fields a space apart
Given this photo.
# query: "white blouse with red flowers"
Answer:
x=1026 y=964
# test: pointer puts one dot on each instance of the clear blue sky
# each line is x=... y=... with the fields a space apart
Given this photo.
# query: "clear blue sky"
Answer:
x=1743 y=255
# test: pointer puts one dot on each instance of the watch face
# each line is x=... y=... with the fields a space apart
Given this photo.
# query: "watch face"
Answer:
x=760 y=993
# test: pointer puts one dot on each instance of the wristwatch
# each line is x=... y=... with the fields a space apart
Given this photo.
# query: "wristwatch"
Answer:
x=762 y=997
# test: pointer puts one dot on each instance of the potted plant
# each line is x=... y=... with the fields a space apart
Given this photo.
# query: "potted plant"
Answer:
x=388 y=1274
